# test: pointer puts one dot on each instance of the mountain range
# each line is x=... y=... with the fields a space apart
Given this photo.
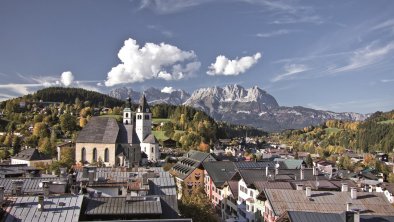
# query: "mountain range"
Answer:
x=235 y=104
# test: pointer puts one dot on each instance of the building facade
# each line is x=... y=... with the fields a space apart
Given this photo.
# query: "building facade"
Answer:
x=104 y=140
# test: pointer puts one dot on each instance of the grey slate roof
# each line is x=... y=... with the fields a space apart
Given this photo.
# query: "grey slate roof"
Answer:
x=25 y=209
x=261 y=185
x=31 y=154
x=30 y=185
x=192 y=160
x=220 y=171
x=16 y=170
x=150 y=139
x=99 y=130
x=299 y=216
x=233 y=184
x=123 y=206
x=327 y=202
x=254 y=165
x=127 y=135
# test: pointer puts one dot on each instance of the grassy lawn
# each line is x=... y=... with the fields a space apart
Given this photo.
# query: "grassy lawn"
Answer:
x=114 y=116
x=391 y=121
x=160 y=134
x=332 y=130
x=159 y=120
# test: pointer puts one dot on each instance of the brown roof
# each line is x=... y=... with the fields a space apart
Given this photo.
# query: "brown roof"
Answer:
x=327 y=201
x=261 y=185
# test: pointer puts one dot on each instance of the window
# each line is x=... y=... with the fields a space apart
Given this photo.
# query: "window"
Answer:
x=94 y=155
x=139 y=117
x=83 y=154
x=127 y=122
x=126 y=115
x=106 y=155
x=153 y=150
x=251 y=193
x=147 y=117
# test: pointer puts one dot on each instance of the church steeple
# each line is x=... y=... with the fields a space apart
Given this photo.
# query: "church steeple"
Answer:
x=143 y=106
x=143 y=120
x=127 y=115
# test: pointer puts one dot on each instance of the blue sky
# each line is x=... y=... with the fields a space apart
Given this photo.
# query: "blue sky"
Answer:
x=332 y=55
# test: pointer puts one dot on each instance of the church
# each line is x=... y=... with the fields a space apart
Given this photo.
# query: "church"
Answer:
x=119 y=144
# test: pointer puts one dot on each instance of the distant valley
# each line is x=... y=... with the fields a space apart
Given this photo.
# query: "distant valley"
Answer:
x=235 y=104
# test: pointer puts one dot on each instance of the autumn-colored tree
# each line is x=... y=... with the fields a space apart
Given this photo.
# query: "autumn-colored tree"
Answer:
x=369 y=160
x=203 y=147
x=40 y=130
x=44 y=146
x=82 y=122
x=196 y=205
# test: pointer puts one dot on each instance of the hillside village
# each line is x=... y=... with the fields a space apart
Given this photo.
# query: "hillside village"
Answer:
x=117 y=169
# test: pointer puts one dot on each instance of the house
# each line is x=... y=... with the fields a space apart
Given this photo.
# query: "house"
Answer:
x=31 y=157
x=216 y=173
x=189 y=171
x=103 y=139
x=117 y=182
x=346 y=216
x=18 y=170
x=64 y=147
x=37 y=208
x=280 y=202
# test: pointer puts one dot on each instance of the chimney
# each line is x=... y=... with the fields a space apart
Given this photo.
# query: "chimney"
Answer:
x=1 y=195
x=45 y=188
x=300 y=187
x=348 y=205
x=91 y=177
x=40 y=205
x=314 y=171
x=302 y=177
x=308 y=191
x=266 y=171
x=356 y=215
x=17 y=187
x=344 y=187
x=353 y=193
x=145 y=178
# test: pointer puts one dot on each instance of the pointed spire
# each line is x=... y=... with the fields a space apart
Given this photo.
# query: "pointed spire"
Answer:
x=128 y=103
x=144 y=107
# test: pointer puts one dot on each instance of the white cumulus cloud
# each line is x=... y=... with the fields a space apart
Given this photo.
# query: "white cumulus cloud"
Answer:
x=67 y=78
x=167 y=89
x=225 y=66
x=152 y=61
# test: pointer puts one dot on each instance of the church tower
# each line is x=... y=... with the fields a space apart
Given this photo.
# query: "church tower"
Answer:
x=143 y=122
x=127 y=114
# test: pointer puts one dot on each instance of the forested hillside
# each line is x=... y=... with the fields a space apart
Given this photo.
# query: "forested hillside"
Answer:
x=69 y=95
x=374 y=134
x=194 y=128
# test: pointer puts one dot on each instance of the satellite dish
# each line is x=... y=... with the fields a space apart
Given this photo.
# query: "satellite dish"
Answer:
x=40 y=184
x=277 y=165
x=39 y=206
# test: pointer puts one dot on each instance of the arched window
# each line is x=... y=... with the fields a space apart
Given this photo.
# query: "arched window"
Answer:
x=94 y=155
x=127 y=115
x=83 y=154
x=127 y=122
x=106 y=155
